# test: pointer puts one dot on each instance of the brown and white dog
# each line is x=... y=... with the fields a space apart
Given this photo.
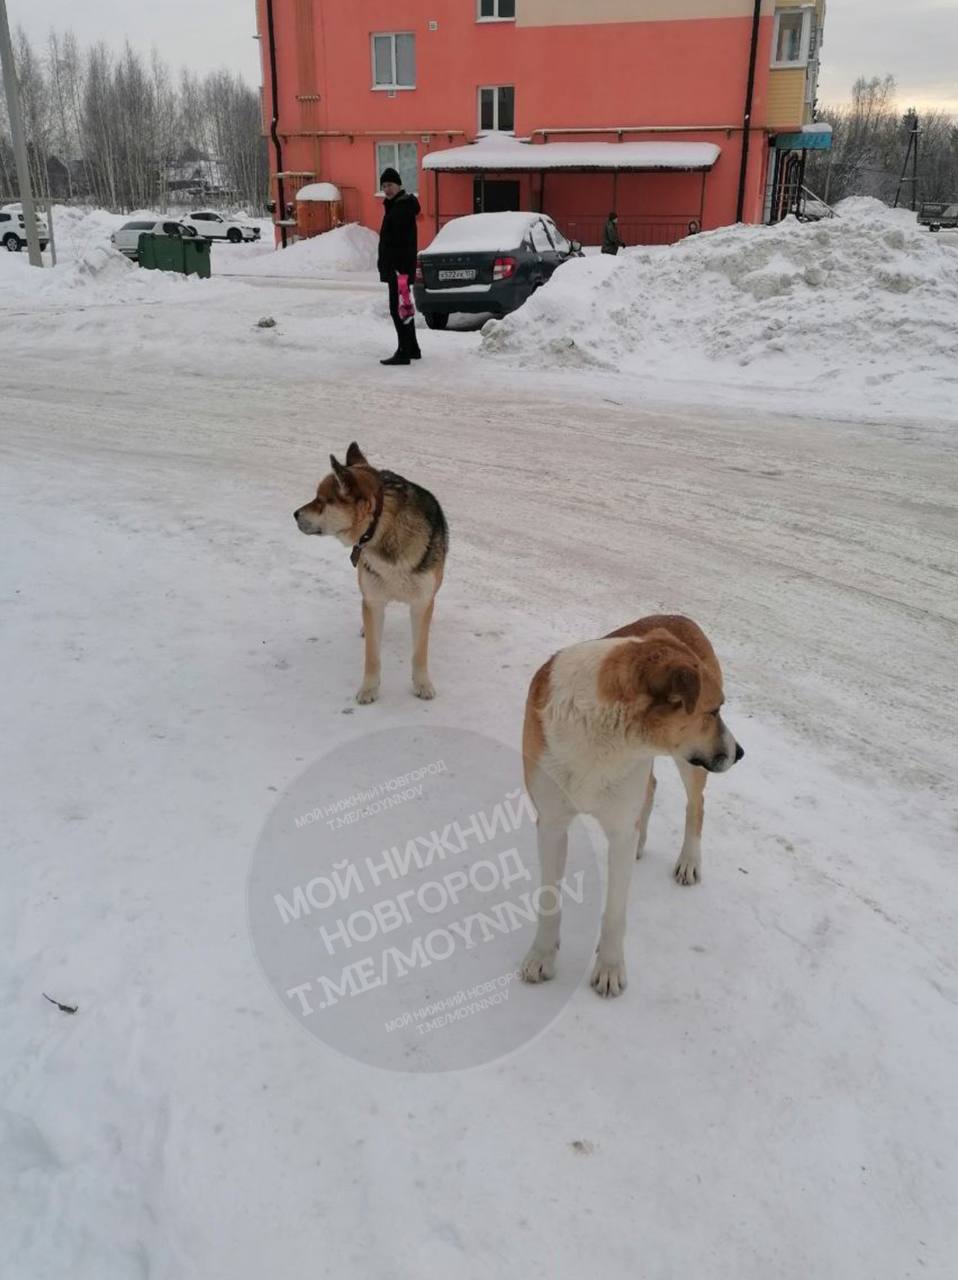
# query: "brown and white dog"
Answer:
x=597 y=715
x=399 y=538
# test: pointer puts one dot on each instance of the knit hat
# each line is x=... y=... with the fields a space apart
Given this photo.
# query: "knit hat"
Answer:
x=390 y=175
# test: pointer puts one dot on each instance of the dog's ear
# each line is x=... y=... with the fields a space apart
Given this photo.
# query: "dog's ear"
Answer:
x=678 y=684
x=355 y=456
x=343 y=478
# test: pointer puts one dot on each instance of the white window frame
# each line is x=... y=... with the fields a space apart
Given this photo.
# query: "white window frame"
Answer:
x=495 y=17
x=393 y=163
x=494 y=88
x=806 y=12
x=391 y=36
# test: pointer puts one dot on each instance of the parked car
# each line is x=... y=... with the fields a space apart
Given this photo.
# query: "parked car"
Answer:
x=934 y=216
x=13 y=229
x=127 y=238
x=488 y=262
x=214 y=226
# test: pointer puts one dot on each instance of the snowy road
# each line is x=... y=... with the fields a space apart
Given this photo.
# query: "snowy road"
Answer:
x=774 y=1096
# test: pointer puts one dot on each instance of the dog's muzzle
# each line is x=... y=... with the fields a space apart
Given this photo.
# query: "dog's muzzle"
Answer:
x=721 y=762
x=302 y=521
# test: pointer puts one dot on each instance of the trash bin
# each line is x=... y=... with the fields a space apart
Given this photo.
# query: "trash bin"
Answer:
x=196 y=257
x=184 y=255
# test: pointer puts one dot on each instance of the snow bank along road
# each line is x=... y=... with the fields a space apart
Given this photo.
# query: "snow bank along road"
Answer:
x=774 y=1096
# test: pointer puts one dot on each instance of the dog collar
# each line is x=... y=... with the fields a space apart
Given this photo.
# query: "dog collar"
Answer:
x=389 y=481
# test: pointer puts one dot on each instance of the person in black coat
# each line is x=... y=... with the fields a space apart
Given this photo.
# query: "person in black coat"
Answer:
x=612 y=242
x=398 y=250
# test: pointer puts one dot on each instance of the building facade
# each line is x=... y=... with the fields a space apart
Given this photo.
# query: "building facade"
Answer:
x=351 y=86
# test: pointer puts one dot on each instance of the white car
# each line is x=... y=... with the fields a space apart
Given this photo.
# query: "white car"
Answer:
x=13 y=229
x=214 y=226
x=127 y=238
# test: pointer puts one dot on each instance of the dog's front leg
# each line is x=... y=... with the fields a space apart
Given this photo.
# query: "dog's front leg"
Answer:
x=553 y=837
x=688 y=869
x=421 y=616
x=618 y=823
x=609 y=976
x=373 y=615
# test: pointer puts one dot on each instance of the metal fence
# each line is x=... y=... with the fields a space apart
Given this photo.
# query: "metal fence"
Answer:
x=638 y=229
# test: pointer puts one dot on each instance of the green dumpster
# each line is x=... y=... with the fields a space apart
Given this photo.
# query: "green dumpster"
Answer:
x=186 y=255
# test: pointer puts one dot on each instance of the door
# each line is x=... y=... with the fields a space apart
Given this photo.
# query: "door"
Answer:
x=495 y=197
x=545 y=250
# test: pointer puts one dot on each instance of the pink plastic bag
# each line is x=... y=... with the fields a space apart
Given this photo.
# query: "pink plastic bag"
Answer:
x=407 y=308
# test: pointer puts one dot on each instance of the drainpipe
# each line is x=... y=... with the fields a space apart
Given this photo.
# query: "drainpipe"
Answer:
x=747 y=122
x=274 y=122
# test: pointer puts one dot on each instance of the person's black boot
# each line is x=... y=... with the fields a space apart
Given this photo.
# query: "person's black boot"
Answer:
x=399 y=358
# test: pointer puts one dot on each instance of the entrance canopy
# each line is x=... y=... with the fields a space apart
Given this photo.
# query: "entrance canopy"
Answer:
x=509 y=155
x=814 y=137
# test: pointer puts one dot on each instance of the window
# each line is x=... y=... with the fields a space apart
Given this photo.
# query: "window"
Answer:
x=497 y=109
x=540 y=239
x=403 y=156
x=558 y=239
x=394 y=61
x=793 y=30
x=497 y=10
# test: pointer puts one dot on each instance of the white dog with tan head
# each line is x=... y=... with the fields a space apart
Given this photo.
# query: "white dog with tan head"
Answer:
x=597 y=715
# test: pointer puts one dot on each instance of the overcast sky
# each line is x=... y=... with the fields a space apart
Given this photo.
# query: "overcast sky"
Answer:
x=915 y=40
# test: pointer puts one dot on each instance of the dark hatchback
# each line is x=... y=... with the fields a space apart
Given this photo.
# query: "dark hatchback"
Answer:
x=488 y=262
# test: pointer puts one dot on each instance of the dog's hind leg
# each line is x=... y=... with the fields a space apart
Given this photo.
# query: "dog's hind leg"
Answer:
x=421 y=616
x=642 y=826
x=688 y=869
x=373 y=615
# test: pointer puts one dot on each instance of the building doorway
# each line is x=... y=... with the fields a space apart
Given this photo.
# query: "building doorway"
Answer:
x=495 y=197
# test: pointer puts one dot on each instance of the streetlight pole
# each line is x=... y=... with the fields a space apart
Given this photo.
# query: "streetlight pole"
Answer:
x=9 y=72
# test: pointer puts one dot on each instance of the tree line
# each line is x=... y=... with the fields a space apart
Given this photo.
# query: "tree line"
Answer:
x=870 y=139
x=120 y=131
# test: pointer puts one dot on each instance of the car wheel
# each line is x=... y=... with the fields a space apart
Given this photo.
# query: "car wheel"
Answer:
x=934 y=228
x=234 y=235
x=12 y=243
x=436 y=319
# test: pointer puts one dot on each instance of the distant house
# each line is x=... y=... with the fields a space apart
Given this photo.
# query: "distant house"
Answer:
x=59 y=183
x=569 y=106
x=197 y=175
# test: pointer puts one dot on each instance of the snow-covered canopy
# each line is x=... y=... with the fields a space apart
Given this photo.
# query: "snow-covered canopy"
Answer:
x=498 y=152
x=319 y=191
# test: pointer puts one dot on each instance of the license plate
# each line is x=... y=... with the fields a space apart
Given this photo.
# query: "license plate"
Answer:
x=457 y=275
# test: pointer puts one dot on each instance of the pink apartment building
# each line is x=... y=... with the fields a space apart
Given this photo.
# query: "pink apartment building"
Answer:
x=683 y=115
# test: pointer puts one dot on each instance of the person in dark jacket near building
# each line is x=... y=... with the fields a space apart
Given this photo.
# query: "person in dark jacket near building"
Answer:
x=612 y=242
x=398 y=250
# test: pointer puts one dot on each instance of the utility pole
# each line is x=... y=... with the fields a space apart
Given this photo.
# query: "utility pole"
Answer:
x=9 y=73
x=914 y=132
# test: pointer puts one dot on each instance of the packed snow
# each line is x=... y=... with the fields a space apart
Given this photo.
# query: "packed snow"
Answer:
x=858 y=312
x=773 y=1098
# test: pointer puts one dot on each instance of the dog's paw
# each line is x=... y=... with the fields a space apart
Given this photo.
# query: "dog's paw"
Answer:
x=539 y=966
x=423 y=687
x=639 y=847
x=368 y=692
x=608 y=980
x=688 y=870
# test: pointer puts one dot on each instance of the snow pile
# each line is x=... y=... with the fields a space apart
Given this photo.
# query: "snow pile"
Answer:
x=860 y=309
x=99 y=274
x=349 y=248
x=78 y=230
